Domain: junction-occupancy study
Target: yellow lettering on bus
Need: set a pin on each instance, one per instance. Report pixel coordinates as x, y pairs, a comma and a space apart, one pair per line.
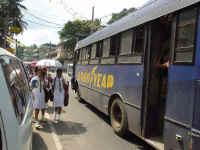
98, 80
88, 78
95, 79
110, 81
84, 77
103, 83
80, 76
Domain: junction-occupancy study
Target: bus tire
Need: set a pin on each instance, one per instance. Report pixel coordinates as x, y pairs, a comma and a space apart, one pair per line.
79, 96
118, 117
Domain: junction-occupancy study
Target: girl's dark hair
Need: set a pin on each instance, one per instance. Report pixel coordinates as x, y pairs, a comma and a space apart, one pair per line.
36, 69
59, 70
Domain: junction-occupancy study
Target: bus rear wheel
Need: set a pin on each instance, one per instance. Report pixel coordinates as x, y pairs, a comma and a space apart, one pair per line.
118, 117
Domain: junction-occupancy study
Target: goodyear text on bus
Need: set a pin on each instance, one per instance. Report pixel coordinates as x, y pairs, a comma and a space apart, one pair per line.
98, 80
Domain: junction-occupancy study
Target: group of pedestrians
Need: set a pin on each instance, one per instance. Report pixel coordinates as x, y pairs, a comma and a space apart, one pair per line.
44, 88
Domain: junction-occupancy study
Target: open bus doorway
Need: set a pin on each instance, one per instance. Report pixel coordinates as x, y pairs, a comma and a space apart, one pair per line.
158, 77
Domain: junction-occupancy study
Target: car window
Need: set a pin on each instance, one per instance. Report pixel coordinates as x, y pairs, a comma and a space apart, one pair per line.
17, 85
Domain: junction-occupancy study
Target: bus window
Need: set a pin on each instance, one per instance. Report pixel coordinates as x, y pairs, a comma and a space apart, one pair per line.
94, 60
107, 57
106, 47
84, 56
139, 41
89, 50
93, 54
126, 43
115, 45
132, 46
77, 56
80, 56
185, 36
99, 51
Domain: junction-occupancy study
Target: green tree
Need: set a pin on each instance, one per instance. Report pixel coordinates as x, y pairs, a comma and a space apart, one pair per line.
11, 16
117, 16
77, 30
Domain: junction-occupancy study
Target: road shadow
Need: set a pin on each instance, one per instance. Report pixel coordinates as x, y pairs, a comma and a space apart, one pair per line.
101, 115
38, 143
69, 128
45, 127
50, 109
130, 137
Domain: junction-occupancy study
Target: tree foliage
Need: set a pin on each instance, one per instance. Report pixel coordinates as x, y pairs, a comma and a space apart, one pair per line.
77, 30
31, 47
11, 15
117, 16
48, 45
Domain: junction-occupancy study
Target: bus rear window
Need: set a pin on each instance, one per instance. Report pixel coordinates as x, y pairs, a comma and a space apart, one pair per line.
185, 36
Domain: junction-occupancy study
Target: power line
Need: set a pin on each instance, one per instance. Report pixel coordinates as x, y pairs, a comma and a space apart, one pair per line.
43, 24
42, 15
41, 19
71, 11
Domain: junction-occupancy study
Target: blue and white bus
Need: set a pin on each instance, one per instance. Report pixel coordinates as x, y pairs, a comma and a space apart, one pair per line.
144, 70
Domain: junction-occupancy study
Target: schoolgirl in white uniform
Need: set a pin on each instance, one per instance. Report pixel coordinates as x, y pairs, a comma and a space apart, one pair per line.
59, 94
38, 84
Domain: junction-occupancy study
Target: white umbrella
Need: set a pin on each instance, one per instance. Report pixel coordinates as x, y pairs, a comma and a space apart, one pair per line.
49, 63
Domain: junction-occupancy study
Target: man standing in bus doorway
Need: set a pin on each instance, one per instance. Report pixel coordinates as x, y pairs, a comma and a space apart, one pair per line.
38, 84
163, 63
59, 94
163, 60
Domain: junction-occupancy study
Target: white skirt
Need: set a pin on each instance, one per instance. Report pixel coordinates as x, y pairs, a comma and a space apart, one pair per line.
39, 101
58, 100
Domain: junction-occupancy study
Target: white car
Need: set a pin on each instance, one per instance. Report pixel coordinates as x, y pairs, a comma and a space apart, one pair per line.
15, 104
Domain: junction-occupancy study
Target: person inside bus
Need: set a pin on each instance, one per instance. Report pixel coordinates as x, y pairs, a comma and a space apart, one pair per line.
163, 59
163, 63
160, 48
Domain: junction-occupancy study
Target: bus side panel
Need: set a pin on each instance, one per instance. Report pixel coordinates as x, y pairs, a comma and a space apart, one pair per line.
134, 120
179, 106
171, 131
127, 82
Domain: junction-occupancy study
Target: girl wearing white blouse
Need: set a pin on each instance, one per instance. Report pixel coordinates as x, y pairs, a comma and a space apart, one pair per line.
59, 94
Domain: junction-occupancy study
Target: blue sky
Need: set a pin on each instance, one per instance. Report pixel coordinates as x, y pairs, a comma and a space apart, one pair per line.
59, 12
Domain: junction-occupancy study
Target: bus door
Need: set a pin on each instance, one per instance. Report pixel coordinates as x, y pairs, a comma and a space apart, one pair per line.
155, 93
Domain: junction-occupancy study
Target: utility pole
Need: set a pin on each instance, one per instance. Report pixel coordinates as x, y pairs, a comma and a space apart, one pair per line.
49, 49
93, 14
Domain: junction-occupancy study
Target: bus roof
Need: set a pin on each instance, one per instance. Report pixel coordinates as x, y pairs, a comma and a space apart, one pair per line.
152, 10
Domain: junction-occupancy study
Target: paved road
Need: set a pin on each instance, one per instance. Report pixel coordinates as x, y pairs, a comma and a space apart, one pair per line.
82, 128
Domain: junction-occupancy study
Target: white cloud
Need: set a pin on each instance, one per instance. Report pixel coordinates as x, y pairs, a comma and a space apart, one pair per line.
38, 36
61, 11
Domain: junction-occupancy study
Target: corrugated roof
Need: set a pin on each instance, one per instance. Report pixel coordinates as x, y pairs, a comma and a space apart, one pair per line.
152, 10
